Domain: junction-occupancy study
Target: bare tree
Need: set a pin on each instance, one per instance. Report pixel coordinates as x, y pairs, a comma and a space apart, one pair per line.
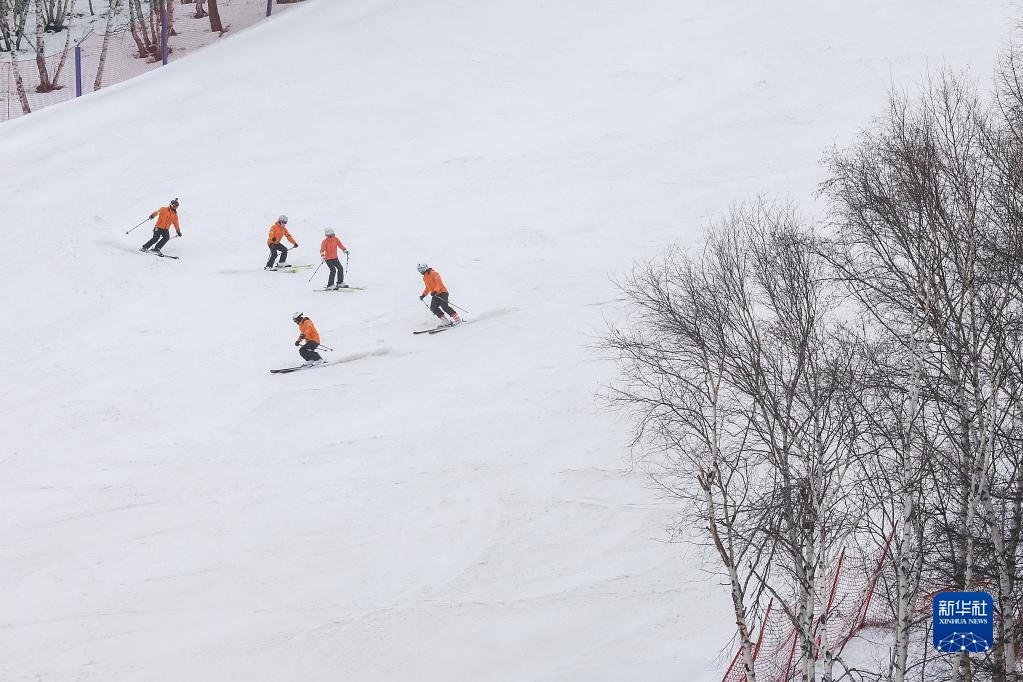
45, 84
55, 14
673, 360
923, 221
142, 29
12, 28
10, 18
733, 368
112, 11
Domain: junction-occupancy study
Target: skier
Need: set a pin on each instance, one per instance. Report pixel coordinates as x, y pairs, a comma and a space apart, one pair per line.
279, 231
328, 252
438, 295
165, 217
308, 335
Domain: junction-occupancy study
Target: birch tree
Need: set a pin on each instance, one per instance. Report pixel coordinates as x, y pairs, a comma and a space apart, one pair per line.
923, 226
673, 357
733, 371
112, 11
19, 83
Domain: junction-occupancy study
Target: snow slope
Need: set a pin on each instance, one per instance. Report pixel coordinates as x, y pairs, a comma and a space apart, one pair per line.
449, 507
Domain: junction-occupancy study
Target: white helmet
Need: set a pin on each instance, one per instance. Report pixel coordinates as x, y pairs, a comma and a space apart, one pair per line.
282, 218
296, 317
329, 232
422, 268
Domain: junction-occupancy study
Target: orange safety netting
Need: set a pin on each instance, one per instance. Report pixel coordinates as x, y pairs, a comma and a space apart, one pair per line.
856, 597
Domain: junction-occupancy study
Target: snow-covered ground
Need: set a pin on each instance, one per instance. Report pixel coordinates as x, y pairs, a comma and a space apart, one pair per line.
449, 507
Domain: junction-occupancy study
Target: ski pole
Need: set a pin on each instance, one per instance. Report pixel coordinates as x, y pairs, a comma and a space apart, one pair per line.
348, 268
325, 348
138, 226
316, 270
450, 304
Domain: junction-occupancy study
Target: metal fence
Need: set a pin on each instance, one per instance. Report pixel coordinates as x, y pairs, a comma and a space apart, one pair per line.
137, 45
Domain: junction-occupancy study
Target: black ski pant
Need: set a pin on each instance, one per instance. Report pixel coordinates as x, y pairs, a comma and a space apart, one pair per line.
308, 351
335, 269
439, 305
274, 250
161, 235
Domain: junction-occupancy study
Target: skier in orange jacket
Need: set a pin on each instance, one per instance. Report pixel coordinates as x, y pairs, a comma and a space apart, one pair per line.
278, 232
165, 217
328, 252
309, 336
438, 295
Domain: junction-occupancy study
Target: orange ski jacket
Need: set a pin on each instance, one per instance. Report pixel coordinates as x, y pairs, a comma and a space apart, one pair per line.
434, 285
277, 233
329, 247
165, 217
309, 332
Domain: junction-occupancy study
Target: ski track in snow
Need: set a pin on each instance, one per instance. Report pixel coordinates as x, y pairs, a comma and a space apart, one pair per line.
461, 509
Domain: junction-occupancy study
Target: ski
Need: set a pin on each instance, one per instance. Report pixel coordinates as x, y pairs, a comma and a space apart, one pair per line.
287, 268
442, 328
287, 370
160, 255
438, 328
342, 289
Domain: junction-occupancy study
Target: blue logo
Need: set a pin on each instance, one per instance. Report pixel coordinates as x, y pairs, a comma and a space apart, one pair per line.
963, 621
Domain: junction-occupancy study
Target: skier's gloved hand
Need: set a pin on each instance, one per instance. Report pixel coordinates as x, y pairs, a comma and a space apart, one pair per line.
179, 234
422, 297
299, 342
295, 246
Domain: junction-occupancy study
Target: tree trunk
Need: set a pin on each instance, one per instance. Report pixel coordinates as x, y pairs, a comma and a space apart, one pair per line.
112, 10
143, 52
21, 26
18, 82
216, 25
904, 582
44, 77
148, 48
55, 81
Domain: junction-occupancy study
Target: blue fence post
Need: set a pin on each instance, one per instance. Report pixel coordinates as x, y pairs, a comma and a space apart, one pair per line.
163, 31
269, 7
78, 70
